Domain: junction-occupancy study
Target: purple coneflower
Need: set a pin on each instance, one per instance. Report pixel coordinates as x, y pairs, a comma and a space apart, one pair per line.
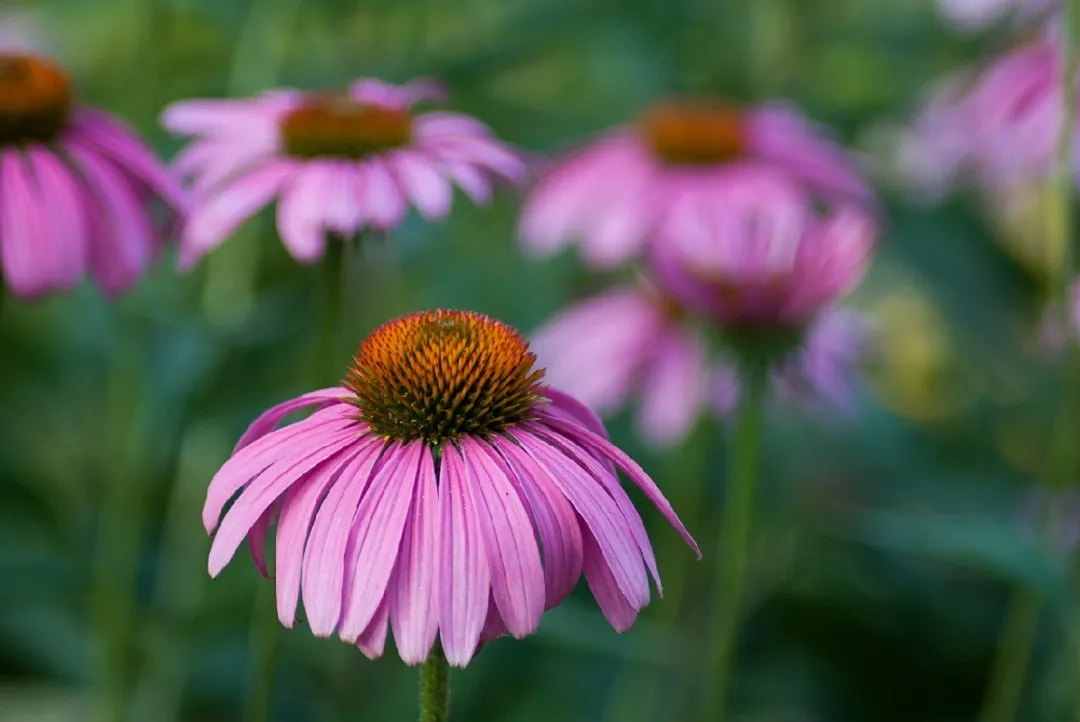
443, 492
620, 191
773, 265
337, 163
78, 190
631, 340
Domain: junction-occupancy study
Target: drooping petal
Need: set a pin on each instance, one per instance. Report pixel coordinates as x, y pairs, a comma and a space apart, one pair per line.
383, 200
606, 478
414, 611
301, 210
26, 252
218, 216
599, 511
372, 641
294, 526
674, 390
379, 526
575, 410
494, 626
269, 419
556, 524
247, 463
257, 539
619, 612
517, 576
464, 576
60, 190
631, 468
324, 557
425, 185
266, 488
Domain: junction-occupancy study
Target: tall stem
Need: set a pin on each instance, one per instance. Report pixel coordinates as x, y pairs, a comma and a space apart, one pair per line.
264, 622
732, 551
1005, 688
435, 688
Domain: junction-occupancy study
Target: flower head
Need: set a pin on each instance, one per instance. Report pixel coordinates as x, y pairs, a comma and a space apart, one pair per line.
622, 190
773, 265
337, 163
77, 188
471, 495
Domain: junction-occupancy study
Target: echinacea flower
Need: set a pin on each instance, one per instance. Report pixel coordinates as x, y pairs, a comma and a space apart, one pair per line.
337, 163
79, 192
615, 195
630, 341
774, 264
442, 491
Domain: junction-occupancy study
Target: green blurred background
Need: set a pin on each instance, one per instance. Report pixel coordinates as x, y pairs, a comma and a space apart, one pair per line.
887, 543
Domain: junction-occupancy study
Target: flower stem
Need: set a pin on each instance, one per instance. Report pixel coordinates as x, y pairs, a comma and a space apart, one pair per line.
1005, 688
733, 545
435, 688
264, 634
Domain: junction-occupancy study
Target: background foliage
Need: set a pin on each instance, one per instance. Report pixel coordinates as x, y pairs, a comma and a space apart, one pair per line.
887, 541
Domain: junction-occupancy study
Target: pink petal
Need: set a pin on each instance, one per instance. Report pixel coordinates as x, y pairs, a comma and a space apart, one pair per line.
383, 200
576, 410
605, 476
429, 190
25, 249
674, 389
301, 211
253, 459
494, 626
122, 146
517, 576
266, 488
629, 467
437, 125
257, 539
414, 610
486, 153
619, 612
58, 186
324, 571
344, 214
269, 419
218, 216
464, 576
474, 183
294, 526
599, 511
236, 118
379, 526
556, 522
372, 641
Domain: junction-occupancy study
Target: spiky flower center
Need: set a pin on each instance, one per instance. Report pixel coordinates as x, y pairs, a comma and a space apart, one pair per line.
694, 133
439, 375
35, 99
337, 126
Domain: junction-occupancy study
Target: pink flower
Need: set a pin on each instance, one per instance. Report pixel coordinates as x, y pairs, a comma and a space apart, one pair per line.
468, 496
774, 262
619, 192
78, 189
972, 15
626, 342
336, 163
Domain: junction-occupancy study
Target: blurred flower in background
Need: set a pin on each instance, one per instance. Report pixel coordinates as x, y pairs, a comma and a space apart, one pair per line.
339, 163
973, 15
438, 465
79, 192
615, 195
22, 29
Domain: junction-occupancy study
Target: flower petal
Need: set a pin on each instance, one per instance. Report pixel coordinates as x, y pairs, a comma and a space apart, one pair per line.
464, 577
380, 523
425, 185
517, 576
619, 612
268, 420
60, 189
674, 389
414, 610
301, 211
372, 641
27, 253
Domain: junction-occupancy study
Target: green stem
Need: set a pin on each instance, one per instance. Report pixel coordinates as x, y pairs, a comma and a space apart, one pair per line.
1006, 685
264, 634
332, 287
733, 548
435, 688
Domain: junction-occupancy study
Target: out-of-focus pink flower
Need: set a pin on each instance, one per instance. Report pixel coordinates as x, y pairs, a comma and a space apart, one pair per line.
622, 190
973, 15
772, 263
338, 163
442, 491
22, 30
79, 191
627, 342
